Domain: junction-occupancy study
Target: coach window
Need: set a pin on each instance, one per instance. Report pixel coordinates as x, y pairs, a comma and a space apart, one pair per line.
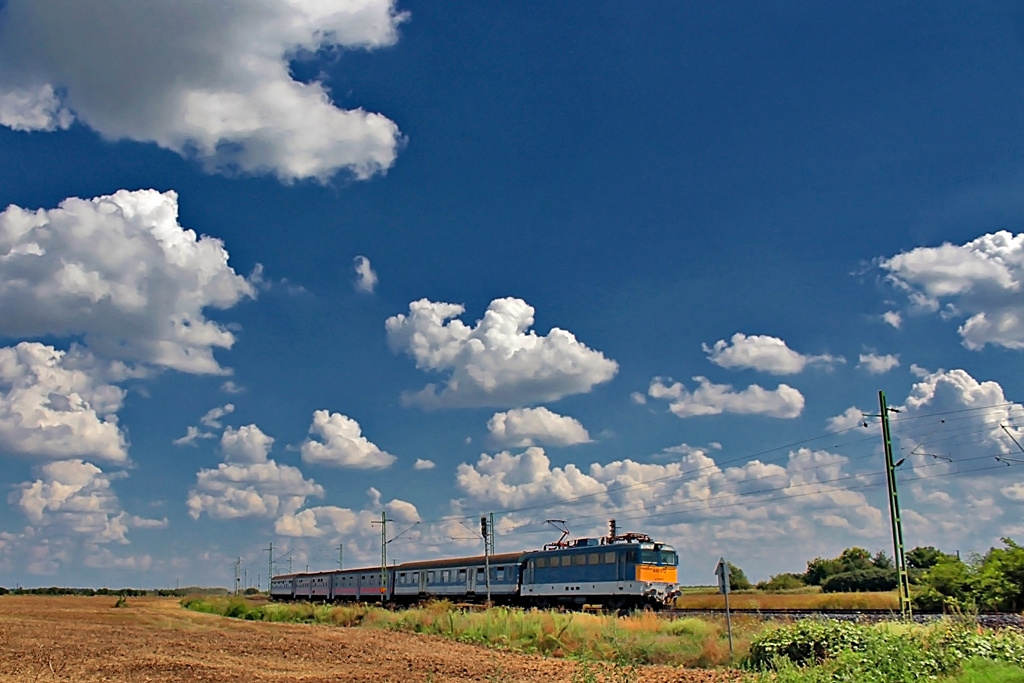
500, 574
579, 558
446, 576
415, 577
462, 575
430, 577
542, 561
609, 558
594, 558
630, 556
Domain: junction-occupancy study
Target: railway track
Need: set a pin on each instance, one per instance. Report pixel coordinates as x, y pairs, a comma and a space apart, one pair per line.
988, 619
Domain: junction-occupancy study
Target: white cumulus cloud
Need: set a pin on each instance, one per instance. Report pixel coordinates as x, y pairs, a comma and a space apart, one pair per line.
51, 408
497, 362
693, 499
893, 318
765, 354
535, 426
343, 444
512, 480
249, 484
211, 419
980, 280
366, 278
217, 87
77, 497
355, 526
193, 434
982, 405
978, 412
120, 271
423, 464
29, 109
213, 416
247, 444
715, 399
264, 489
878, 364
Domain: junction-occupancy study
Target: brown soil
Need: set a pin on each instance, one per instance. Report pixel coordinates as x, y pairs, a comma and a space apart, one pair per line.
154, 639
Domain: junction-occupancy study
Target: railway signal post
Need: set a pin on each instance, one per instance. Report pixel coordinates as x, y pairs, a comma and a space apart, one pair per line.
722, 572
383, 554
485, 531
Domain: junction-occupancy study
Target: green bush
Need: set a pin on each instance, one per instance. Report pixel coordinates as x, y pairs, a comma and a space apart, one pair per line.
994, 581
961, 642
861, 580
812, 651
805, 642
781, 582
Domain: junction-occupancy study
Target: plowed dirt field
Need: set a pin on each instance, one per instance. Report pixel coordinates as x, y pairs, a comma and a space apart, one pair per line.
154, 639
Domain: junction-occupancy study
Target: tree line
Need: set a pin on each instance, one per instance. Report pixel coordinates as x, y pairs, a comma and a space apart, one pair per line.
939, 581
124, 592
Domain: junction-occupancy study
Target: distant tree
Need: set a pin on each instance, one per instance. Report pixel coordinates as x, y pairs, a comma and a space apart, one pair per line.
820, 569
782, 582
881, 560
853, 559
925, 557
850, 560
738, 580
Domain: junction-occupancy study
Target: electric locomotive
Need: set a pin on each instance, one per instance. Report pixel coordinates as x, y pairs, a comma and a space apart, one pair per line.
617, 572
621, 572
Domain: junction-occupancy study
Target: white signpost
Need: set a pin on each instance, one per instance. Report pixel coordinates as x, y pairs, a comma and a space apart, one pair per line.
722, 572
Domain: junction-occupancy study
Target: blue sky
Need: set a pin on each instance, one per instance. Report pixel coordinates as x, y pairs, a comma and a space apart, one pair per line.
269, 269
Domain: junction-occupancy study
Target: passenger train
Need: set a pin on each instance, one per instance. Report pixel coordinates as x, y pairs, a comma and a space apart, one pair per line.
621, 572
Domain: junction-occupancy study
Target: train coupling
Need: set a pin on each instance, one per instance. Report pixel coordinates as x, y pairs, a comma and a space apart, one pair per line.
663, 594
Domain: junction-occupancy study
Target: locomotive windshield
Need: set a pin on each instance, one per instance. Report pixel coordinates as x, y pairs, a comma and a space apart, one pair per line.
665, 557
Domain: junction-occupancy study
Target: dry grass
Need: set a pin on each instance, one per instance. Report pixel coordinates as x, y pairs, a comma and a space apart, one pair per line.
790, 601
86, 640
641, 638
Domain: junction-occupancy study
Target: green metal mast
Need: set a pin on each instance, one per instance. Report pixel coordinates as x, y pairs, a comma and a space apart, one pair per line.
902, 578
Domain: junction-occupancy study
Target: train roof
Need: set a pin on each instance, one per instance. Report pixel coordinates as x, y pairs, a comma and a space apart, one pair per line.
580, 544
502, 558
